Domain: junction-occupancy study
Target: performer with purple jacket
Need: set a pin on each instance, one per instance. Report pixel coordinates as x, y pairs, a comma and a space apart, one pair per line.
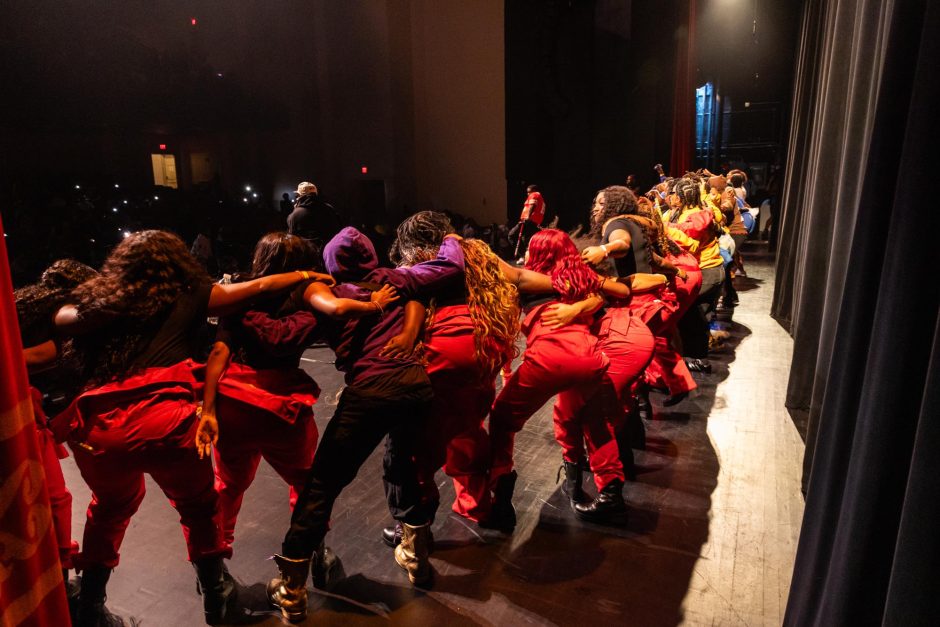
383, 396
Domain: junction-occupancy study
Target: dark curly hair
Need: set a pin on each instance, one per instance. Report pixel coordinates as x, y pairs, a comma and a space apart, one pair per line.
618, 200
139, 283
418, 237
36, 304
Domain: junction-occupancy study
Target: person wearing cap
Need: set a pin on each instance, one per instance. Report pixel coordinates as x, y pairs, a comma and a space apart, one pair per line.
312, 218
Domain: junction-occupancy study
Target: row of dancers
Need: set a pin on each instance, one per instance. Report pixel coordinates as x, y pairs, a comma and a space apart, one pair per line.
421, 346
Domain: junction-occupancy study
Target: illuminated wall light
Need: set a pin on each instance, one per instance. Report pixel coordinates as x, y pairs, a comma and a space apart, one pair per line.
162, 146
365, 170
192, 21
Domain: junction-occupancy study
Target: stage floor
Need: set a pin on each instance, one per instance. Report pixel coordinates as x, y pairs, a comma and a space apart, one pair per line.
714, 520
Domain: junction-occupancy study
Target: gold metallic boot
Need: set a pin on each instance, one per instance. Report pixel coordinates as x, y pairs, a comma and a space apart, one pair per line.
412, 553
289, 591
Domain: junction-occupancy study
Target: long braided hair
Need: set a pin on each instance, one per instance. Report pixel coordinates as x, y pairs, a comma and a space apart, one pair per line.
492, 300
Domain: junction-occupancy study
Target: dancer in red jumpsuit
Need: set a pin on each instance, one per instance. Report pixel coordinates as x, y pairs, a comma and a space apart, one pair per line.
634, 238
134, 330
470, 336
556, 359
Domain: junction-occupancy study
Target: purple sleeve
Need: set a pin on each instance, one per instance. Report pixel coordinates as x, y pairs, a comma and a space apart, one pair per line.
429, 276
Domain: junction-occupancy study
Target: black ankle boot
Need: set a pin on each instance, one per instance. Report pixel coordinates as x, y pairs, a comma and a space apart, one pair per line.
626, 454
608, 508
217, 588
322, 566
391, 536
571, 487
89, 607
502, 515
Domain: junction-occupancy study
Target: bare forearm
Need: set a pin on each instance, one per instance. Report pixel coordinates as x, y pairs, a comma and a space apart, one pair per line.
41, 356
215, 366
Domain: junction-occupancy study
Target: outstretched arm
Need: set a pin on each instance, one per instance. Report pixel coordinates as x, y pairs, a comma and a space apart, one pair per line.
229, 298
558, 315
526, 280
321, 298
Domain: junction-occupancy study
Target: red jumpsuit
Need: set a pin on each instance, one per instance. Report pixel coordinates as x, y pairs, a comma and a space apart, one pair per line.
627, 344
145, 423
667, 366
463, 396
60, 499
554, 361
262, 414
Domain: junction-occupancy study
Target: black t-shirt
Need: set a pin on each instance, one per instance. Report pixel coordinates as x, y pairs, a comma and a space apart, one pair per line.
180, 335
638, 258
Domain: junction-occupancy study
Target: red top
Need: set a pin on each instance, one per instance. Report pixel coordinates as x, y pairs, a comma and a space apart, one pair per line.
534, 208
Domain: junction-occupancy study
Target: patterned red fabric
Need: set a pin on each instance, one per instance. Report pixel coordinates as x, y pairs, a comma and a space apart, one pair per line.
31, 590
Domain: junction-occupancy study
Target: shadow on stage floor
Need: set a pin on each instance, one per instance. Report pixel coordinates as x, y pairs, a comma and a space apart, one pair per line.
554, 569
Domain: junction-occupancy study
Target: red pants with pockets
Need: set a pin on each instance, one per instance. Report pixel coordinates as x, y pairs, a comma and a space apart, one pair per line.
143, 424
455, 438
554, 361
262, 414
60, 499
627, 344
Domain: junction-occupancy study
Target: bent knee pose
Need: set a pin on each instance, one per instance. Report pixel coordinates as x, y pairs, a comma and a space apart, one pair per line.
134, 331
470, 335
384, 396
556, 359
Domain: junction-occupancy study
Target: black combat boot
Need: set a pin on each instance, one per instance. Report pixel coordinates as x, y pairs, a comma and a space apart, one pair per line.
218, 589
89, 607
571, 487
608, 508
502, 514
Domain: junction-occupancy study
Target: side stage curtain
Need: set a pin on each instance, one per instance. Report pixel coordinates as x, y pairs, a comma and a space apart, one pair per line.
869, 541
683, 116
31, 590
839, 68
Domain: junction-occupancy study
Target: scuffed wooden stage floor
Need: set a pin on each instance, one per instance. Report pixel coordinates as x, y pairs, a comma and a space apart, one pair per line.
714, 519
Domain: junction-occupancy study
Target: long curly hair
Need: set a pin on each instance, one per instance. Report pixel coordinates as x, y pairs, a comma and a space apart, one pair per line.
618, 200
491, 298
37, 303
552, 252
139, 283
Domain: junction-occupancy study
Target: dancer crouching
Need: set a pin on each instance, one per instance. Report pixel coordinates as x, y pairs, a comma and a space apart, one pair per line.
556, 359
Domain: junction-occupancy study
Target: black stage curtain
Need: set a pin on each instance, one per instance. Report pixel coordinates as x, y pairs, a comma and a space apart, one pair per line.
855, 285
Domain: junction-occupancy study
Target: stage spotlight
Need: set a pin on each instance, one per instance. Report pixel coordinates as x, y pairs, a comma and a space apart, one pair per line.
127, 234
156, 198
125, 202
114, 209
78, 187
247, 188
254, 195
244, 199
116, 186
